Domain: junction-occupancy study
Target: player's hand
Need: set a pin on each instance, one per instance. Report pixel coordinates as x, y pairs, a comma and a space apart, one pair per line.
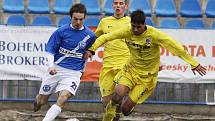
52, 70
87, 55
200, 69
160, 68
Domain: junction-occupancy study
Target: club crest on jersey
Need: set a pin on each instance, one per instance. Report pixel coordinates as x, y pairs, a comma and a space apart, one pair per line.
46, 88
82, 44
109, 26
148, 42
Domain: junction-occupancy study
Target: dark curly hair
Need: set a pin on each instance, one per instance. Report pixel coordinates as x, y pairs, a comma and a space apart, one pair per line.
138, 16
78, 8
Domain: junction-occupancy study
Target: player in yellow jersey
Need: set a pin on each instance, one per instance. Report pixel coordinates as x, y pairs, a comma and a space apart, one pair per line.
138, 77
116, 52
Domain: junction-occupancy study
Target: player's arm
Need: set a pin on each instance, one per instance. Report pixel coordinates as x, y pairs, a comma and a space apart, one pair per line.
177, 49
51, 48
99, 30
51, 68
88, 53
118, 34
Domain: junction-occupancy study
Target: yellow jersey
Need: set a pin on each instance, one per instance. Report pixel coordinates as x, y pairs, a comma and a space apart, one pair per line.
116, 52
145, 49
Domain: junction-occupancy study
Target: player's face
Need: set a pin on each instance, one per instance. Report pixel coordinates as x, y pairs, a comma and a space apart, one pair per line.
119, 7
78, 20
138, 29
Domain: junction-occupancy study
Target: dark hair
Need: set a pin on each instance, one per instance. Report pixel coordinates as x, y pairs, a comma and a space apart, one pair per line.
78, 8
124, 1
138, 17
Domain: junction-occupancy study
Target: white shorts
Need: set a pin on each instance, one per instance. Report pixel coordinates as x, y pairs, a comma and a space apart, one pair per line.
65, 79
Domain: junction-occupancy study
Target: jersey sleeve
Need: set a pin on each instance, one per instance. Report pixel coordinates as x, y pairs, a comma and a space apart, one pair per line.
50, 60
99, 30
175, 48
118, 34
54, 42
92, 40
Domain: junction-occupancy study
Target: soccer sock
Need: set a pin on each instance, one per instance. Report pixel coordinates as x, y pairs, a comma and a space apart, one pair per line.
117, 113
52, 113
110, 111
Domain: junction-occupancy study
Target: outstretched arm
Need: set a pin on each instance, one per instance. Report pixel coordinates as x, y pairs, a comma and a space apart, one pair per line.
177, 49
117, 34
200, 69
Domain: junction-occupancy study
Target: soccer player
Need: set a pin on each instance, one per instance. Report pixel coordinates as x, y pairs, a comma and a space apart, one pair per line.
66, 48
113, 50
138, 77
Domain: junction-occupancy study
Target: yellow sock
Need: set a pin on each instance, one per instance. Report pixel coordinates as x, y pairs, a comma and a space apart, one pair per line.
110, 112
117, 113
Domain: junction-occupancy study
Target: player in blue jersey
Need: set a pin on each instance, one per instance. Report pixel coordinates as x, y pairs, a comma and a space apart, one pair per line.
66, 48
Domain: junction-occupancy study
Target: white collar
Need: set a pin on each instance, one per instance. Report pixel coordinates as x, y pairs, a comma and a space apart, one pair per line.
77, 29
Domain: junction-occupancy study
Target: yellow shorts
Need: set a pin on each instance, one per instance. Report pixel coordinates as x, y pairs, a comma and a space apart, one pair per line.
106, 80
140, 87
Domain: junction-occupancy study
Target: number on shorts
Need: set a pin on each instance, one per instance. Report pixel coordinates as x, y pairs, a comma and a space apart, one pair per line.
74, 86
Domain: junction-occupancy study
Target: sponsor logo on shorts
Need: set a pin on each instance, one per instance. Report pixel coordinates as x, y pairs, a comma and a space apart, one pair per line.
46, 88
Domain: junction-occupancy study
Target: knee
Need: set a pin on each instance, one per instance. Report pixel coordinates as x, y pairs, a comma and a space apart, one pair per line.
106, 100
62, 98
127, 106
120, 92
42, 99
117, 98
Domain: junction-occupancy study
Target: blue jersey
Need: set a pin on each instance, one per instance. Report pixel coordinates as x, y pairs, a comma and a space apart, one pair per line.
68, 46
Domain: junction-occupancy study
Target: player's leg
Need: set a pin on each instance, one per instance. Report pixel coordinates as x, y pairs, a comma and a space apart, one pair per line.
39, 101
56, 108
120, 93
66, 88
122, 88
46, 89
106, 100
127, 106
63, 97
107, 86
113, 107
145, 89
109, 112
138, 94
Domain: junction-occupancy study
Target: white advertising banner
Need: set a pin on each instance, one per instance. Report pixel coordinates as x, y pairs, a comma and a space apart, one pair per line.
22, 53
201, 45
